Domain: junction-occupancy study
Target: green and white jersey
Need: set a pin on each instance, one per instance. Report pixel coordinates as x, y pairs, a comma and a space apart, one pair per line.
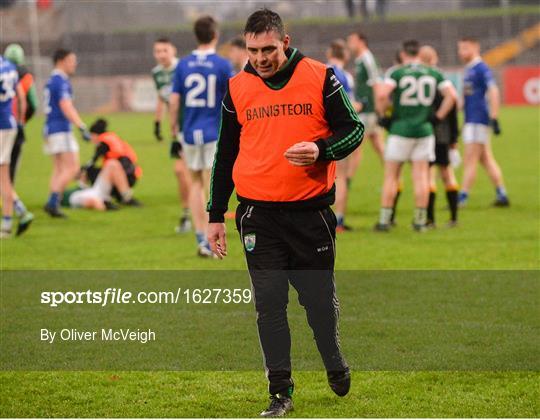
366, 75
415, 86
163, 78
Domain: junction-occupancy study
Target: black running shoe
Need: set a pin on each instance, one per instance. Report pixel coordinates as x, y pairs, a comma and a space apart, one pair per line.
501, 202
419, 228
279, 406
133, 202
54, 212
110, 206
381, 227
340, 382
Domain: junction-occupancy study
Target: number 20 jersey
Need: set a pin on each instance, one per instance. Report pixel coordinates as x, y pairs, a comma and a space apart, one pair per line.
415, 86
201, 80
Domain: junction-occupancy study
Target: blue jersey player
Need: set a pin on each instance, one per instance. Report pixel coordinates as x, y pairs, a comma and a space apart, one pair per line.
199, 85
9, 89
481, 107
60, 115
337, 56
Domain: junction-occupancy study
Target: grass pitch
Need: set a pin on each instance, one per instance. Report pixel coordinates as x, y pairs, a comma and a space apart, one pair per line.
487, 239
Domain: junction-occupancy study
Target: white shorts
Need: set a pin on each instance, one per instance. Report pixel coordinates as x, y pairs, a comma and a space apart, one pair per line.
7, 139
199, 157
404, 149
369, 119
63, 142
101, 190
475, 133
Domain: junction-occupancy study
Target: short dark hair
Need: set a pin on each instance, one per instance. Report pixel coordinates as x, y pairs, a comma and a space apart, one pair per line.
361, 35
411, 47
338, 49
99, 126
238, 42
205, 29
469, 39
60, 54
264, 20
163, 40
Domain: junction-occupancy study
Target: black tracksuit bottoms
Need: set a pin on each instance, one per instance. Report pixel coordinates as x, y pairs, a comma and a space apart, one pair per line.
296, 246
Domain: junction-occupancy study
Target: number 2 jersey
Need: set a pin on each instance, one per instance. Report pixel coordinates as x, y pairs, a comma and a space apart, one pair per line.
8, 83
415, 86
58, 87
201, 80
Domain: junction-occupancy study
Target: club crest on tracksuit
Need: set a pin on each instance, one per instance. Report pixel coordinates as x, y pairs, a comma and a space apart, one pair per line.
249, 242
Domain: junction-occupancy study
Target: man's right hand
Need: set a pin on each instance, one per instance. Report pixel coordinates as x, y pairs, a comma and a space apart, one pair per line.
217, 239
157, 131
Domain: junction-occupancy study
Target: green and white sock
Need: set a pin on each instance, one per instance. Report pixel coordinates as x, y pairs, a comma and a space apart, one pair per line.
127, 195
420, 216
385, 215
6, 224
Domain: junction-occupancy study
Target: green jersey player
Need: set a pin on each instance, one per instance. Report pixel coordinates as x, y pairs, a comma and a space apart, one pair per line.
162, 74
367, 75
412, 87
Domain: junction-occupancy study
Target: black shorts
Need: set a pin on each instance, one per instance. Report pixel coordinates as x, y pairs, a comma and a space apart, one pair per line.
441, 155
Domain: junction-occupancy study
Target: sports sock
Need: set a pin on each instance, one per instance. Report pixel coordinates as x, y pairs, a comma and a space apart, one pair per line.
185, 211
5, 226
19, 207
349, 182
385, 216
340, 219
452, 197
201, 238
127, 195
501, 192
53, 200
463, 195
431, 207
420, 216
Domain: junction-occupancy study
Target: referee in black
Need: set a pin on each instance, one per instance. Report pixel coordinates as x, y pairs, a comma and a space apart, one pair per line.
446, 152
285, 121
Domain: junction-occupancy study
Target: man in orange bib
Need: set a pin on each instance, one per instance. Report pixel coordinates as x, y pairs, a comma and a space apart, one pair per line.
285, 121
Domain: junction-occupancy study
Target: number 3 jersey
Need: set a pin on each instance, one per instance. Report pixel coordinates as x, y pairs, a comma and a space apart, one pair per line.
415, 86
201, 81
8, 83
58, 87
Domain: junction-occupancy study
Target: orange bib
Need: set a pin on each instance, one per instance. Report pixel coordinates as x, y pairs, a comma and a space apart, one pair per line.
272, 121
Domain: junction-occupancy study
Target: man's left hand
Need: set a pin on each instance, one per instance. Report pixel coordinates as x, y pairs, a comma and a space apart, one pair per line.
302, 154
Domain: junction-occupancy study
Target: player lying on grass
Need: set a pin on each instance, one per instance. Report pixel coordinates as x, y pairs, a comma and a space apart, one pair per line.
111, 147
98, 196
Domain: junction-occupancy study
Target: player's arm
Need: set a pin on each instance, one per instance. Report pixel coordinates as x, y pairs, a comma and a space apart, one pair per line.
221, 182
158, 118
347, 130
101, 150
68, 109
21, 98
494, 100
174, 100
382, 90
449, 99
